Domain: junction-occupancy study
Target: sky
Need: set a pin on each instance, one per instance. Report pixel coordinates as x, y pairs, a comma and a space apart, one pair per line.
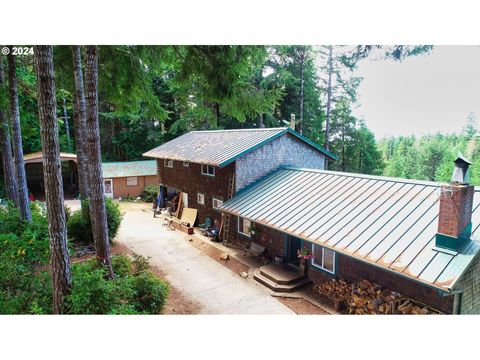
424, 94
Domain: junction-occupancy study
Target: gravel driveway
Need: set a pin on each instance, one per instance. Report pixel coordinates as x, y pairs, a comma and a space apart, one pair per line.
215, 287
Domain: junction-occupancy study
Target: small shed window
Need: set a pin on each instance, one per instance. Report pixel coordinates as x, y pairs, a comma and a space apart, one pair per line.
168, 163
244, 226
208, 170
186, 164
216, 202
132, 181
323, 258
201, 199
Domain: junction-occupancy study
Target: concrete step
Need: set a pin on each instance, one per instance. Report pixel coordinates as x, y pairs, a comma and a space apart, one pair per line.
282, 274
257, 275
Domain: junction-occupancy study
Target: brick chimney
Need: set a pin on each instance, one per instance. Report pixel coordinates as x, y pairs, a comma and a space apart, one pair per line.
456, 202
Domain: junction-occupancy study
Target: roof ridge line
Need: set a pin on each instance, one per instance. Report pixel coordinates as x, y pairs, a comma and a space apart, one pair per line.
239, 130
367, 176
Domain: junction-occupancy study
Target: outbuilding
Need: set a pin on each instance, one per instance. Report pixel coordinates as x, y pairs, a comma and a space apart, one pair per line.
121, 179
128, 179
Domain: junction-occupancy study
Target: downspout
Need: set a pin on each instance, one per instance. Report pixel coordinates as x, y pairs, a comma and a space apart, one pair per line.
457, 300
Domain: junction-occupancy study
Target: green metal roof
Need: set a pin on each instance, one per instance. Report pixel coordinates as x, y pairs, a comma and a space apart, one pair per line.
129, 168
222, 147
386, 222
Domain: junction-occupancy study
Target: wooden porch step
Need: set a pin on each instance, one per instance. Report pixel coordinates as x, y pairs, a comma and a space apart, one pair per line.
282, 274
272, 285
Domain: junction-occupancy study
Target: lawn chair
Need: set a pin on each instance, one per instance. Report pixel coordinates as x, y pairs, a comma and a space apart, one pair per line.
206, 226
214, 232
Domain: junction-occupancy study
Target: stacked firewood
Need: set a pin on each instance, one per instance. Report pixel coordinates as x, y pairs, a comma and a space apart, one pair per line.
367, 298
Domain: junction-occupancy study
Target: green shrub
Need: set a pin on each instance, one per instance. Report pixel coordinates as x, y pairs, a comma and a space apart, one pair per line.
122, 265
25, 241
93, 293
78, 229
140, 263
124, 309
79, 224
150, 193
22, 289
10, 221
150, 293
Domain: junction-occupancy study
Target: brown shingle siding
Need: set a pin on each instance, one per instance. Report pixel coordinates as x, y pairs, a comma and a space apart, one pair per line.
190, 180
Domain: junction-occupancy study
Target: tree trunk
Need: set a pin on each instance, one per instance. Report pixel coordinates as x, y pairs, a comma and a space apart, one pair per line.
329, 102
80, 124
6, 148
302, 83
98, 213
52, 175
261, 124
67, 126
21, 177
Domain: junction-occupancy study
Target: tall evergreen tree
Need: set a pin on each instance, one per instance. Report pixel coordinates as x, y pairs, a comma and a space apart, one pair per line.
6, 145
52, 174
80, 124
98, 212
20, 175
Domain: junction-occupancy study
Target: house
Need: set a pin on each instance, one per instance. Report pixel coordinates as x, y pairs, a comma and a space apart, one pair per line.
209, 167
419, 238
128, 179
121, 179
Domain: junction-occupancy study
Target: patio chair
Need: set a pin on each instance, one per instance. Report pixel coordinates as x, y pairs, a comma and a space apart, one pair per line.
214, 231
206, 226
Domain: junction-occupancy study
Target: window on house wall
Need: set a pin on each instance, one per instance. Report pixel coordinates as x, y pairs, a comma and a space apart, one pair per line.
201, 199
132, 181
244, 226
216, 202
186, 164
323, 258
168, 163
208, 170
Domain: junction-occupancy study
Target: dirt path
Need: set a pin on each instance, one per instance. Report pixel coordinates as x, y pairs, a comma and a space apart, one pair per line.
177, 302
196, 278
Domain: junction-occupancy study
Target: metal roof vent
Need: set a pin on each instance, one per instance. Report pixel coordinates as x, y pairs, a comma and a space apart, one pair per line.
460, 173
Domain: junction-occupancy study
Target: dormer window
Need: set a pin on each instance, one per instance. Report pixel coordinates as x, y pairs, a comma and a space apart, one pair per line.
208, 170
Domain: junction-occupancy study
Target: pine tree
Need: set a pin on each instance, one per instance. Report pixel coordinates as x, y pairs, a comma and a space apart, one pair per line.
98, 214
52, 174
80, 124
20, 175
6, 146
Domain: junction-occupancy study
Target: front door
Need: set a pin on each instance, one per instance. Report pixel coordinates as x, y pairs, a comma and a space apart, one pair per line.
108, 187
293, 246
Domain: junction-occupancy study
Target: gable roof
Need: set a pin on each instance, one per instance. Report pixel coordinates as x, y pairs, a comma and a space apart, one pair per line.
221, 147
37, 157
129, 168
386, 222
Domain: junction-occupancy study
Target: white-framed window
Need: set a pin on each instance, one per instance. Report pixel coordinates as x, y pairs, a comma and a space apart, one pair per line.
200, 199
216, 202
244, 226
168, 163
323, 258
186, 164
208, 170
132, 181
